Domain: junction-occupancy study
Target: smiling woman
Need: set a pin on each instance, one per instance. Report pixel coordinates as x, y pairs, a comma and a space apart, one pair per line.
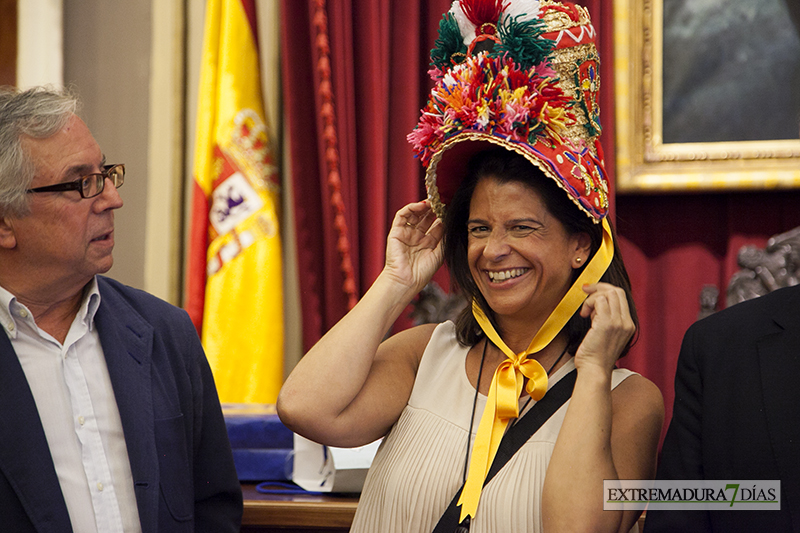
517, 201
506, 167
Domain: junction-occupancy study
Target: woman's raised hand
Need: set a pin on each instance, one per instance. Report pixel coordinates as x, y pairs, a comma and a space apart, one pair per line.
612, 326
414, 246
337, 393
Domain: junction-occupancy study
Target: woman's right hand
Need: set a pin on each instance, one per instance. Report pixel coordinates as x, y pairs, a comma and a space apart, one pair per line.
353, 385
414, 246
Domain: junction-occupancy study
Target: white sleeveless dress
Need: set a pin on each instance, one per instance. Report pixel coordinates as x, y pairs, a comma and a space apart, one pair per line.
420, 464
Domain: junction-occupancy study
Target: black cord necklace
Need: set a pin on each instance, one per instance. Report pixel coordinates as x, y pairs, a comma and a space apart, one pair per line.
474, 405
475, 401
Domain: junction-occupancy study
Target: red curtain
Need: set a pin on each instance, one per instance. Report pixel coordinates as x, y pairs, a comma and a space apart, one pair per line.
673, 244
378, 55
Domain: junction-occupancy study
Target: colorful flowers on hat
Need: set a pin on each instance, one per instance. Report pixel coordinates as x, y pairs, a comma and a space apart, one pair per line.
494, 96
522, 74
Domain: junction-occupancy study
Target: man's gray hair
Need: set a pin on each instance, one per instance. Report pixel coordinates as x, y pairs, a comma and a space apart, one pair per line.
39, 112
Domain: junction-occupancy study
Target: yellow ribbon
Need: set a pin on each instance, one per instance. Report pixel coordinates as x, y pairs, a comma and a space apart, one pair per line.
502, 404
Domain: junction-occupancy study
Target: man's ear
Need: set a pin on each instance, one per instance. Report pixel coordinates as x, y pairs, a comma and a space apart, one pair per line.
8, 238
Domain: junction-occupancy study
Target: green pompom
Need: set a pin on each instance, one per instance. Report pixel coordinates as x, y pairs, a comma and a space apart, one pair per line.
534, 132
523, 42
448, 43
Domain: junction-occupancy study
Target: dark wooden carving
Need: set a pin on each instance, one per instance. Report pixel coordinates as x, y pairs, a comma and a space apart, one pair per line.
761, 271
433, 305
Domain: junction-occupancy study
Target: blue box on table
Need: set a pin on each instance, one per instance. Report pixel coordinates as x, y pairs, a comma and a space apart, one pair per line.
262, 445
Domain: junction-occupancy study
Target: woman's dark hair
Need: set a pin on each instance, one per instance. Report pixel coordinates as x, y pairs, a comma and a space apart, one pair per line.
506, 166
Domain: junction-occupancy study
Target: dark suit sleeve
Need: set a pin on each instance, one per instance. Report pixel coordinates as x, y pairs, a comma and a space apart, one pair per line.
682, 452
217, 491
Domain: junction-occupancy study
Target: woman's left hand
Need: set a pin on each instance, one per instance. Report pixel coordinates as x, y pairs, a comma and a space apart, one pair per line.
612, 326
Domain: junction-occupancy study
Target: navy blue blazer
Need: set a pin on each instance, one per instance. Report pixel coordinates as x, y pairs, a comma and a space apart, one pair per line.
737, 412
181, 460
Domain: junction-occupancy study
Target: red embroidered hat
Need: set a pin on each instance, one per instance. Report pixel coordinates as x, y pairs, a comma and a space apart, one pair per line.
522, 74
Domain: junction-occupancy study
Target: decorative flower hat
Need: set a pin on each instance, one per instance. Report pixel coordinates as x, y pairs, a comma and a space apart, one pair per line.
522, 74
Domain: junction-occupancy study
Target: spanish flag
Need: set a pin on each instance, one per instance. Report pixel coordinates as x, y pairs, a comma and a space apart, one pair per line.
234, 286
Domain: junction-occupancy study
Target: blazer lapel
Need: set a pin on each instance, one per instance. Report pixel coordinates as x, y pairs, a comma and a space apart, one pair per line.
779, 359
127, 344
24, 454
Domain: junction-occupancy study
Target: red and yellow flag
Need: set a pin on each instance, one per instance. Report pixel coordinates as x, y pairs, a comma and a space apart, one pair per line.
234, 285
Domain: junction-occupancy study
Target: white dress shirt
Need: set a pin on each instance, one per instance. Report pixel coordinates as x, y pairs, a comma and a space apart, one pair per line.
76, 404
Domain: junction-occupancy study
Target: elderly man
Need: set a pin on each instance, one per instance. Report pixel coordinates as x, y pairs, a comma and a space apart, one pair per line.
109, 418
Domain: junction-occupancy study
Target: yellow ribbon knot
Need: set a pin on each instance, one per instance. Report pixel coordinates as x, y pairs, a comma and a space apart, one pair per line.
502, 404
510, 377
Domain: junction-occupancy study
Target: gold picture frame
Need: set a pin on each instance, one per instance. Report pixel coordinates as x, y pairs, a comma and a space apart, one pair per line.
644, 162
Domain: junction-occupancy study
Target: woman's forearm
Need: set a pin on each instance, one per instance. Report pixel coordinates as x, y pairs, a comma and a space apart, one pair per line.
316, 397
572, 497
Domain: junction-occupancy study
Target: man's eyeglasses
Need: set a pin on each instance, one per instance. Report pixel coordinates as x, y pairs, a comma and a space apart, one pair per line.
90, 185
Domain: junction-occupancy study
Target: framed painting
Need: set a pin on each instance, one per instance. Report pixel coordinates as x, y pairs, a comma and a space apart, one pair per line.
707, 94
